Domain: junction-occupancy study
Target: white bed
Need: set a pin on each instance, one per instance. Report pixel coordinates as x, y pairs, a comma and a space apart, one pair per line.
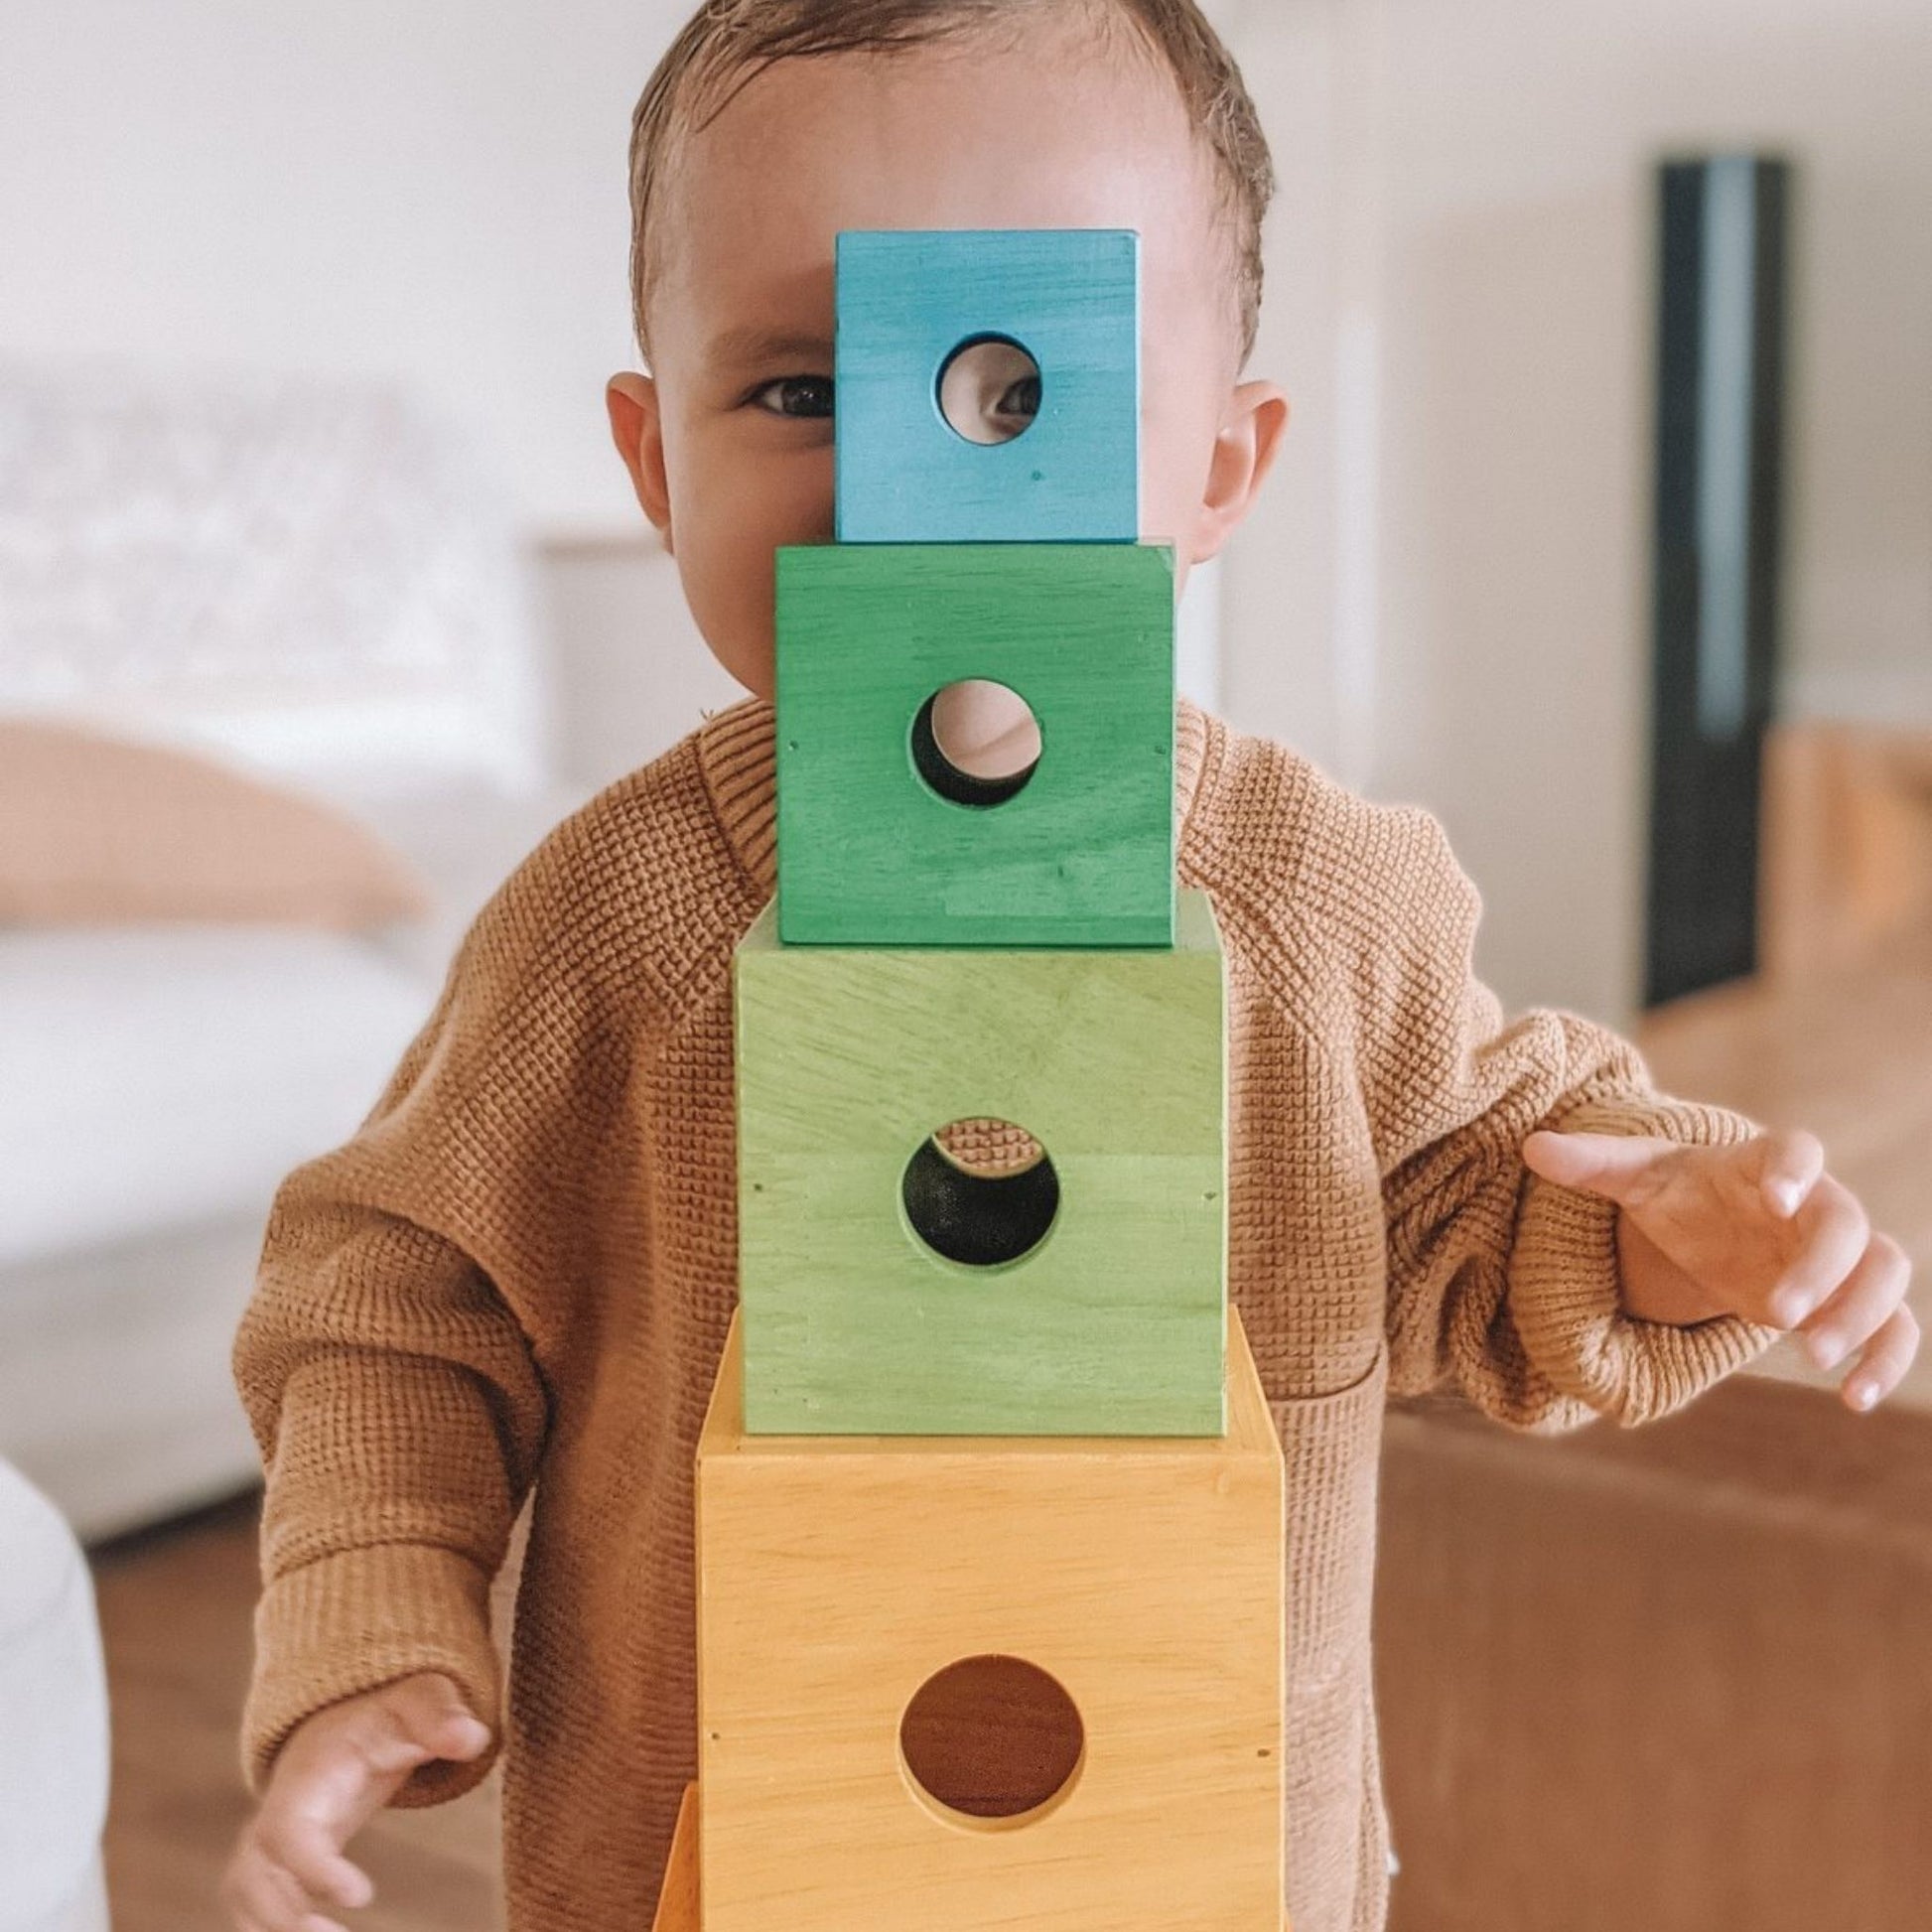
309, 582
155, 1084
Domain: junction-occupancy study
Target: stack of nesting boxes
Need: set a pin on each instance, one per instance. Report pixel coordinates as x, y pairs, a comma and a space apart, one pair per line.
989, 1504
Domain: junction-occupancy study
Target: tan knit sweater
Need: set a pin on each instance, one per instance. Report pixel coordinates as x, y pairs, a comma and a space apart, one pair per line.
521, 1267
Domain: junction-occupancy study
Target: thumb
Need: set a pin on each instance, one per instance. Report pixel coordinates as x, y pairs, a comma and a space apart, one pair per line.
1612, 1164
436, 1715
1788, 1164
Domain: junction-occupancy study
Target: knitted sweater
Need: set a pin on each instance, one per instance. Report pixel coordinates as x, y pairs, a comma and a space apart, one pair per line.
519, 1271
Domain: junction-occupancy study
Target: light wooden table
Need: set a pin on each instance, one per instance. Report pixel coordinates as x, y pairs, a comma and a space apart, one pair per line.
1848, 1057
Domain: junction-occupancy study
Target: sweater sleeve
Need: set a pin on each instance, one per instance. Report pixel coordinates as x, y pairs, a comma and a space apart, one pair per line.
389, 1358
1502, 1283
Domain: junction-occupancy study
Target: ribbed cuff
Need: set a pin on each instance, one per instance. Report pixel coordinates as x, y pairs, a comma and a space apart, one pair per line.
348, 1622
1565, 1291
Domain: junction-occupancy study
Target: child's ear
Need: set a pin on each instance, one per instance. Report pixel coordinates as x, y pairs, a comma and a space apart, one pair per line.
639, 432
1245, 448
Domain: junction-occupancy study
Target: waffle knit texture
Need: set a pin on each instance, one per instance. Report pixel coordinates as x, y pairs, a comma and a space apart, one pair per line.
521, 1267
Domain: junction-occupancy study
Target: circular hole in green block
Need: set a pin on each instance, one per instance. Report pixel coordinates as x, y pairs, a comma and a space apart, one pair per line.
976, 742
980, 1191
989, 389
991, 1737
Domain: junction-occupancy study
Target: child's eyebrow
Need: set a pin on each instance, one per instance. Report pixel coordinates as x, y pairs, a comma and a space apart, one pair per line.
739, 347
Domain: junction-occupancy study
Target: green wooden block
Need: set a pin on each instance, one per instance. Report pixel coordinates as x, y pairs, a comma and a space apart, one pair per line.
850, 1059
870, 853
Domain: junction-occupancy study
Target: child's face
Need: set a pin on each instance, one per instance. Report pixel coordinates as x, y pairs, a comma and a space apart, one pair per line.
731, 460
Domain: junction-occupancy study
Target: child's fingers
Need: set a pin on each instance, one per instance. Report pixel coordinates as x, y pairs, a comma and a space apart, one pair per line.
1861, 1305
305, 1846
385, 1741
429, 1710
329, 1787
1885, 1362
375, 1748
1790, 1161
263, 1896
1833, 1230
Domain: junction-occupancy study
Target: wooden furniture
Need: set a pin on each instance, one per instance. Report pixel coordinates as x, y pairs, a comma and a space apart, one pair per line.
1847, 858
1681, 1677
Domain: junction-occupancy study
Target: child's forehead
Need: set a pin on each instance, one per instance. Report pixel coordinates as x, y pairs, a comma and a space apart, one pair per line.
919, 128
809, 148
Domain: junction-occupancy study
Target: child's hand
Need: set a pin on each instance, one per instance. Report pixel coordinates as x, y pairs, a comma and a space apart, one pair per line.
335, 1772
1758, 1229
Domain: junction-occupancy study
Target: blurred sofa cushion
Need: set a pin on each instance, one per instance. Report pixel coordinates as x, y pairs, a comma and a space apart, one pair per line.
101, 829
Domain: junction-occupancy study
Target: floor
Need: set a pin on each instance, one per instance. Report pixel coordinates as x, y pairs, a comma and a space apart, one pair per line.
176, 1603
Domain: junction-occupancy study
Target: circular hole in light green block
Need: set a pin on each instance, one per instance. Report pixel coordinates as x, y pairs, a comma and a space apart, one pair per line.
976, 742
980, 1191
989, 389
992, 1738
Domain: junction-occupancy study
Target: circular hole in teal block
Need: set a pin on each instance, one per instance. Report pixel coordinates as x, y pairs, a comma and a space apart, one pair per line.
989, 389
992, 1737
981, 1192
976, 742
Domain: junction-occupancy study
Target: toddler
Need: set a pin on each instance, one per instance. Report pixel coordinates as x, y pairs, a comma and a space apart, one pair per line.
515, 1280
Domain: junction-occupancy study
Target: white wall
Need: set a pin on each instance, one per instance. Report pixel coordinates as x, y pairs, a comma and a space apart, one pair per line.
1467, 331
425, 190
1443, 594
425, 193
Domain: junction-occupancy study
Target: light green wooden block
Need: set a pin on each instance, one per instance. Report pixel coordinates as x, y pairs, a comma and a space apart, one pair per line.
849, 1059
869, 854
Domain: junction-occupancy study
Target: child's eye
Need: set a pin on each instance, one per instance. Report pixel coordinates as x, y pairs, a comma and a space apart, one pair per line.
802, 396
1022, 399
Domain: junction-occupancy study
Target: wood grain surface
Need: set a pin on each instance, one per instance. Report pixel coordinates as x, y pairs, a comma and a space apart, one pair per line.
1112, 1059
869, 853
839, 1574
906, 299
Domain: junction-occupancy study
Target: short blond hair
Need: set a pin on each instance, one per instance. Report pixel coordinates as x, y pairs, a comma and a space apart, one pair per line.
728, 39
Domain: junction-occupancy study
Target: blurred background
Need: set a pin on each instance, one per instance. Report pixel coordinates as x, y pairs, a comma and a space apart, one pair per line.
1604, 529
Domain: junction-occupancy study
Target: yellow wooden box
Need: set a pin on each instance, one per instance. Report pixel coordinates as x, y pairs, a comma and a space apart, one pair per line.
678, 1905
677, 1897
838, 1575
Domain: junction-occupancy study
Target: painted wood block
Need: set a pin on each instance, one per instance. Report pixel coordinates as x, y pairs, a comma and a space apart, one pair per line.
869, 851
885, 1291
678, 1904
843, 1583
907, 300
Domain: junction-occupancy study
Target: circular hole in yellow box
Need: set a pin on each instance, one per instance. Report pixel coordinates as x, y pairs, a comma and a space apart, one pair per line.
994, 1741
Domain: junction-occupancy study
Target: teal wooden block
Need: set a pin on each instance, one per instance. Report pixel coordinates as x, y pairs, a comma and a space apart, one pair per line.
907, 300
870, 853
860, 1318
